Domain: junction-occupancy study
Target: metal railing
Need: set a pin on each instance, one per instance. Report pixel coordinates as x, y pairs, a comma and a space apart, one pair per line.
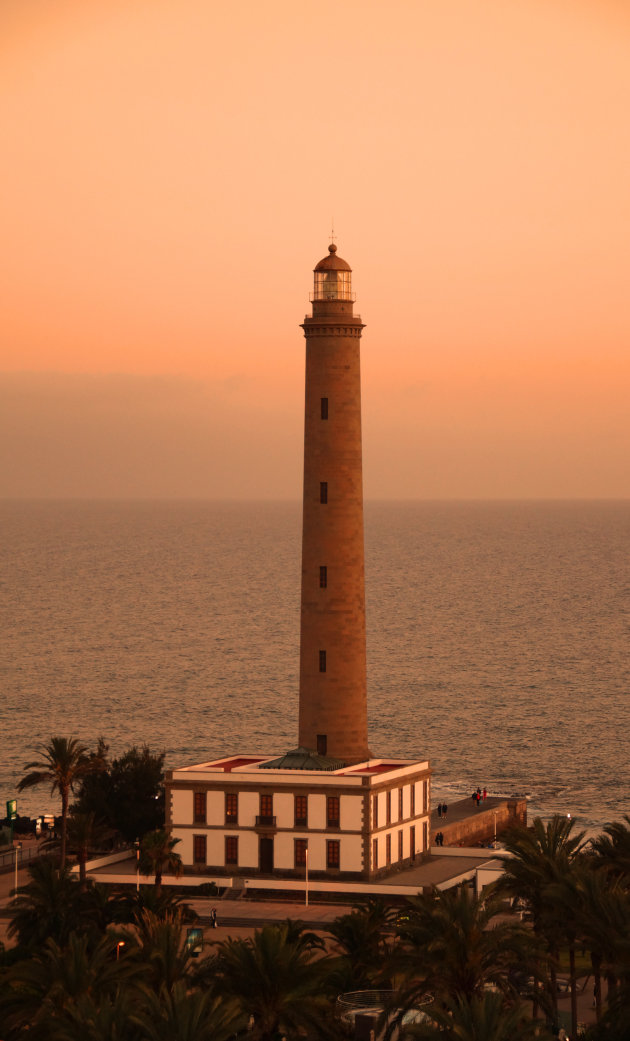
7, 859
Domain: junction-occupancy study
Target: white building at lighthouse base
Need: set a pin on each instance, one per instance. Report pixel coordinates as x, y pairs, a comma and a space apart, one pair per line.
255, 815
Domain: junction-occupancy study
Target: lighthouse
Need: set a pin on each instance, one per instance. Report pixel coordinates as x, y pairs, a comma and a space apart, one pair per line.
333, 686
327, 809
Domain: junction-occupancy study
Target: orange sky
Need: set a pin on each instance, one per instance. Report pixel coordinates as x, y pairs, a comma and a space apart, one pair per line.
169, 176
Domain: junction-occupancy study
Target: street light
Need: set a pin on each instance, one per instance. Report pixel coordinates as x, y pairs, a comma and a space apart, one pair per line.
18, 847
137, 845
121, 943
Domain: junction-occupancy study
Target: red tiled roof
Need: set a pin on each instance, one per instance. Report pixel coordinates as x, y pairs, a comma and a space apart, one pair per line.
232, 764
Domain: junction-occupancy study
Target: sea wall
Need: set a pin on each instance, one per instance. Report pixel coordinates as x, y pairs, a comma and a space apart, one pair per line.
478, 826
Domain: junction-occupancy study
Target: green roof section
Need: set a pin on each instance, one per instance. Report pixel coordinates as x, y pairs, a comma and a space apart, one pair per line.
303, 759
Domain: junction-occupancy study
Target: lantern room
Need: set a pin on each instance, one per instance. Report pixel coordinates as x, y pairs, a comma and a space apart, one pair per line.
333, 278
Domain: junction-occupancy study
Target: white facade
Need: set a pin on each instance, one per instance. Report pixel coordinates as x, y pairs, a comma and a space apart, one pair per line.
235, 817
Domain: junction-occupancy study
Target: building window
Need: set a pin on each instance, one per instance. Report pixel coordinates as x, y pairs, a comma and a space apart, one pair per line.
231, 808
199, 810
266, 811
426, 796
300, 848
374, 854
388, 849
332, 853
332, 811
301, 809
375, 810
322, 744
199, 849
412, 797
322, 661
400, 804
412, 842
323, 576
323, 492
324, 408
400, 845
388, 807
231, 849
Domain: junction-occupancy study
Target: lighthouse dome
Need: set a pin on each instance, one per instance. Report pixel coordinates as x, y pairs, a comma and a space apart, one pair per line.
332, 262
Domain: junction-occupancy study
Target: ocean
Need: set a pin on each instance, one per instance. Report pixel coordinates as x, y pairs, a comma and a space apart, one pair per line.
498, 639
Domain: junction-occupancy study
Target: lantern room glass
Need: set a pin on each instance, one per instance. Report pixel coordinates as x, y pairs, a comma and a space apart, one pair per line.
333, 285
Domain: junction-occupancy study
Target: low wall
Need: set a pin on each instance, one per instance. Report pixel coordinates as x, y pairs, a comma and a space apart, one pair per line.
109, 858
480, 824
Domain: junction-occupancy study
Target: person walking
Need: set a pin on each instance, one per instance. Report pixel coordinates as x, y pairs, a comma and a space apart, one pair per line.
213, 918
439, 809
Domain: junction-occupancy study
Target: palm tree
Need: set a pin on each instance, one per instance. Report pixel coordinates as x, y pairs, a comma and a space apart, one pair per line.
63, 763
47, 907
157, 852
485, 1017
538, 858
276, 984
162, 948
362, 940
452, 946
160, 904
40, 992
612, 850
84, 833
184, 1015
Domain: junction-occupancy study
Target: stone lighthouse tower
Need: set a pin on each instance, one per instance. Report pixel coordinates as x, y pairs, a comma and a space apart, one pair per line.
333, 691
327, 809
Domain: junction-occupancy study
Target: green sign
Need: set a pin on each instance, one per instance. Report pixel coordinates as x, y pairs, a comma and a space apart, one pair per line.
12, 809
194, 941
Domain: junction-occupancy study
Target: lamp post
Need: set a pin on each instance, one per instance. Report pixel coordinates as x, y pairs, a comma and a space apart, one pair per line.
137, 845
18, 847
121, 943
306, 879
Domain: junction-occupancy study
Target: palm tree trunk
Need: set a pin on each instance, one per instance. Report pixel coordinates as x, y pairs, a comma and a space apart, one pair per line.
596, 962
574, 1011
65, 792
83, 855
553, 976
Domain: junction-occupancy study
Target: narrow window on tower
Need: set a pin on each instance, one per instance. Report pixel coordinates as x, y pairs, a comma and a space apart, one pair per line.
324, 408
322, 744
323, 492
323, 576
322, 661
